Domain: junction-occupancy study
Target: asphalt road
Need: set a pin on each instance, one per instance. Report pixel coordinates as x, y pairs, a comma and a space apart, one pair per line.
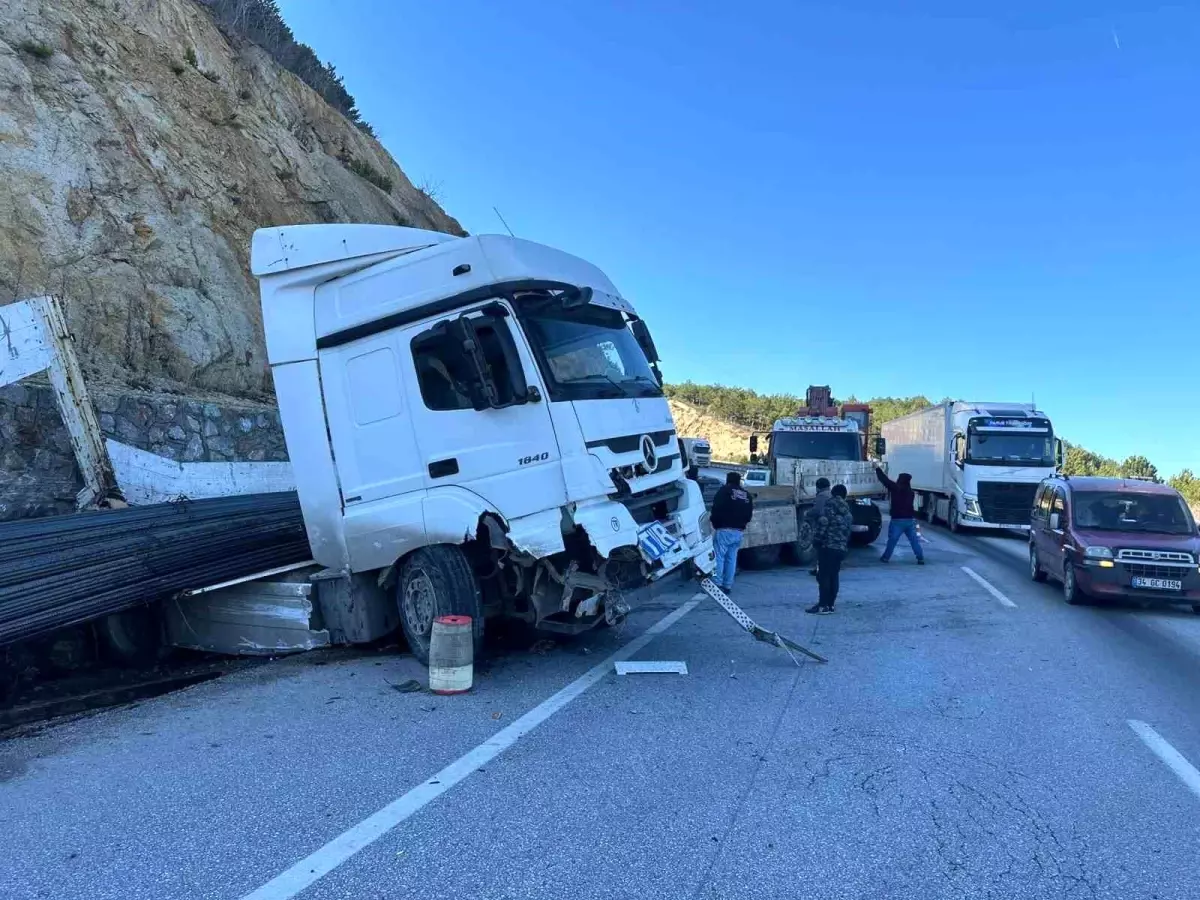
966, 740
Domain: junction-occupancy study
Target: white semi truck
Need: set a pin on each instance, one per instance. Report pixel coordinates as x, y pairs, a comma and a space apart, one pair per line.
974, 465
476, 426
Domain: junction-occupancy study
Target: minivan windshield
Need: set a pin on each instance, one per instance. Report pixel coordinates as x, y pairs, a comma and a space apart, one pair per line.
1118, 511
588, 353
816, 445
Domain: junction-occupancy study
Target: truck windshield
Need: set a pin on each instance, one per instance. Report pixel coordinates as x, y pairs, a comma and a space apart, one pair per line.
1116, 511
991, 448
816, 445
587, 352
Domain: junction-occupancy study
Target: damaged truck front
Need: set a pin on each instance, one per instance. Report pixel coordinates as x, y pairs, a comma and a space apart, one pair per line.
476, 422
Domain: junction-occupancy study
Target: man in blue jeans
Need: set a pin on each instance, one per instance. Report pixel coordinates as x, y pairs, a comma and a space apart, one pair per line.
903, 517
732, 509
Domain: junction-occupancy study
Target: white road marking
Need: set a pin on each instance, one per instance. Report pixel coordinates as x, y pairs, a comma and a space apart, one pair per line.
1004, 601
321, 862
1175, 760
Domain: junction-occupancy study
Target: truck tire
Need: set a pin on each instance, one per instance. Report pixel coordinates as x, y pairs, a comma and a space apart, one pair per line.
132, 637
865, 538
801, 551
761, 557
931, 508
437, 581
952, 518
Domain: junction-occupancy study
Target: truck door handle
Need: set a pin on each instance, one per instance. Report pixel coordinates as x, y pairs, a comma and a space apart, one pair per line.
443, 467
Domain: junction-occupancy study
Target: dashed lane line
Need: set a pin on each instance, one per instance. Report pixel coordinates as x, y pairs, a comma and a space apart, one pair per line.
1004, 601
1174, 760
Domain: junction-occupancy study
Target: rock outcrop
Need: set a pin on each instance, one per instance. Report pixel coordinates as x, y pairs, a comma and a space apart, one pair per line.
139, 149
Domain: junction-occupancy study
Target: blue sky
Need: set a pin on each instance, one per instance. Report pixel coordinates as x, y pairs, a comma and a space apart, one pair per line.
987, 206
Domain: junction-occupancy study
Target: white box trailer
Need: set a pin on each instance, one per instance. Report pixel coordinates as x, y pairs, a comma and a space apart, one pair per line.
974, 464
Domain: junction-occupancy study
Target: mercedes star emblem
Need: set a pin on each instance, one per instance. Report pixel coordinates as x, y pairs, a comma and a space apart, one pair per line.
649, 454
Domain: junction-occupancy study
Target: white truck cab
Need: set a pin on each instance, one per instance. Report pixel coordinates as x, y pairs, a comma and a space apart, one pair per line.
480, 420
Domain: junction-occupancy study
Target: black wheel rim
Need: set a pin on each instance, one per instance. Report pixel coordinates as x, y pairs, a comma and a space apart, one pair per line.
418, 603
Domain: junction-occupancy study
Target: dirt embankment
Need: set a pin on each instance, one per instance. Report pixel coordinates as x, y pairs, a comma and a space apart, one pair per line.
729, 441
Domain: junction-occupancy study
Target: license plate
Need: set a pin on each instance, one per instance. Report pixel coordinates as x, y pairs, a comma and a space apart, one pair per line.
1158, 584
655, 541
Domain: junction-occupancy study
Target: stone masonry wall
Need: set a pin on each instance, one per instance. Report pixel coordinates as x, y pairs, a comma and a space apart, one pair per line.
38, 475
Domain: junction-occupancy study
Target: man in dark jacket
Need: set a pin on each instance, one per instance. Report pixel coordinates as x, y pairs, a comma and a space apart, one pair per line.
832, 536
903, 518
732, 509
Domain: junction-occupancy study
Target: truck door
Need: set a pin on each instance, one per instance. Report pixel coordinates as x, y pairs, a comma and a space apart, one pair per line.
367, 412
509, 455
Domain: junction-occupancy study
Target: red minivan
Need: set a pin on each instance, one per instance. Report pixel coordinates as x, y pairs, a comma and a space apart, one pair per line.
1115, 538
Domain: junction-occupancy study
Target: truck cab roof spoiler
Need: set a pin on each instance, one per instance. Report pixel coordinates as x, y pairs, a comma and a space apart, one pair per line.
275, 250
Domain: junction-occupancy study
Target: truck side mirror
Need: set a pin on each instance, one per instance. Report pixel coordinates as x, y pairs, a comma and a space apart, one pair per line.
960, 449
1054, 522
754, 443
1059, 453
880, 447
642, 335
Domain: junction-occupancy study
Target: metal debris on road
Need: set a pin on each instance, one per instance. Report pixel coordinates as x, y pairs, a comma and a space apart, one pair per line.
650, 667
761, 634
407, 687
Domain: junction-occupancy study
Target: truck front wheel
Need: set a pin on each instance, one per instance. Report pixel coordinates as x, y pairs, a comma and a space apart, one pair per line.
863, 538
801, 552
437, 581
761, 557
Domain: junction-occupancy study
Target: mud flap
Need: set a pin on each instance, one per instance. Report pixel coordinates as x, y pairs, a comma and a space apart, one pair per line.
761, 634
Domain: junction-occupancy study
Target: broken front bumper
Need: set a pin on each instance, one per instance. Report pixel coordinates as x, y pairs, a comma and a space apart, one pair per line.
663, 544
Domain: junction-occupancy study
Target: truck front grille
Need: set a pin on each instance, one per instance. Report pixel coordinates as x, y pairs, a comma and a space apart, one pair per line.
656, 503
1005, 503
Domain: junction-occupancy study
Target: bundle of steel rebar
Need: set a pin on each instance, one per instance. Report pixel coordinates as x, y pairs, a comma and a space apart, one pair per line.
64, 570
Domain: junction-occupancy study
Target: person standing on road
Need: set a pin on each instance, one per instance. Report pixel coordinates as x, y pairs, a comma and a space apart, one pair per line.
732, 509
813, 513
903, 516
834, 524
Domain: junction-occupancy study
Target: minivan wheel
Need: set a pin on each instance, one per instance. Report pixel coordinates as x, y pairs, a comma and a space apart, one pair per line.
1071, 592
1035, 566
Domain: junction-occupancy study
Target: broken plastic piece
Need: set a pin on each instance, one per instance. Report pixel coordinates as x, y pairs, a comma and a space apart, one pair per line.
651, 667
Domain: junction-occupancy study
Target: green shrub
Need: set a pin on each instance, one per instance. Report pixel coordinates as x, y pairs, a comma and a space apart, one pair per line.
33, 48
190, 57
368, 172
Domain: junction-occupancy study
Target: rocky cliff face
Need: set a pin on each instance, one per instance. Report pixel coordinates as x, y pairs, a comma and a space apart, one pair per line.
139, 149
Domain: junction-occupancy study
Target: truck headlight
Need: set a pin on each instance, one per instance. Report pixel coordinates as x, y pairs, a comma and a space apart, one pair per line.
972, 509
